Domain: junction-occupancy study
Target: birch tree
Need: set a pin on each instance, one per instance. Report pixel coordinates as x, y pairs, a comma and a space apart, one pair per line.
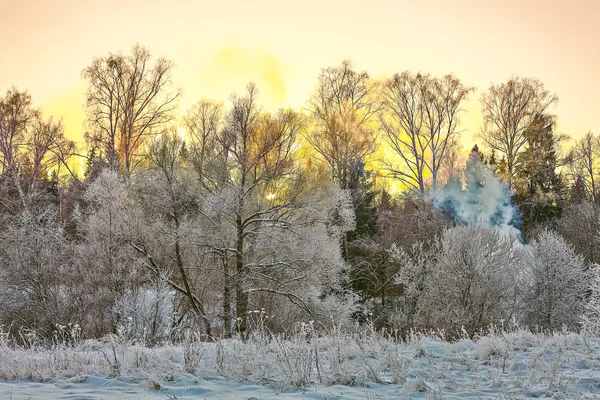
129, 99
30, 148
585, 165
344, 108
420, 119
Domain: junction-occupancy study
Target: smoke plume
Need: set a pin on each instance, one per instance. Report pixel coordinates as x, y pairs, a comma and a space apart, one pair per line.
480, 199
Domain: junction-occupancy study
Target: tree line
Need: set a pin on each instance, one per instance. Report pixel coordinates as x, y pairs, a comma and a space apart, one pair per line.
230, 213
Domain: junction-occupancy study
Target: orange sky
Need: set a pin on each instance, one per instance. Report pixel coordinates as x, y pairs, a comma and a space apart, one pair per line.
218, 46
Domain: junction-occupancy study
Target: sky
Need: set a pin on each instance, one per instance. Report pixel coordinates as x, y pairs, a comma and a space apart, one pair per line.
219, 46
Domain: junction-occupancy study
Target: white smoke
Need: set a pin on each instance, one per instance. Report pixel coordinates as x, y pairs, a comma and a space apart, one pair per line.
481, 198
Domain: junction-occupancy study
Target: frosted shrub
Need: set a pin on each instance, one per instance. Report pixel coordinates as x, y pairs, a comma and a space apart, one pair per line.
242, 360
491, 346
145, 314
193, 350
591, 318
556, 284
475, 281
416, 262
297, 360
38, 282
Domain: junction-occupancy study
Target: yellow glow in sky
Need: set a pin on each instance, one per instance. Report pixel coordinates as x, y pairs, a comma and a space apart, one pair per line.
218, 47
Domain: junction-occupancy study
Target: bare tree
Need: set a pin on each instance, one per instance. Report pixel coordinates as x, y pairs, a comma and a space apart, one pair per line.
46, 148
203, 123
259, 152
508, 111
420, 120
169, 201
29, 146
585, 164
128, 99
16, 117
343, 108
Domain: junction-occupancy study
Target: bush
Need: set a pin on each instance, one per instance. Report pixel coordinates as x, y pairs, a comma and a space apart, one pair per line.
556, 289
474, 282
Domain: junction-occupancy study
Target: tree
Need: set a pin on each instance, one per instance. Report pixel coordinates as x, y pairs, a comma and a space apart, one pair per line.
508, 111
112, 268
203, 123
262, 176
268, 233
343, 108
480, 199
557, 284
17, 116
40, 283
475, 280
30, 148
580, 227
539, 188
584, 165
420, 120
128, 100
167, 236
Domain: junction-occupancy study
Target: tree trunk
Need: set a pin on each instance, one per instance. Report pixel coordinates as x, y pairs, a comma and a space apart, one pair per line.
226, 299
197, 306
241, 295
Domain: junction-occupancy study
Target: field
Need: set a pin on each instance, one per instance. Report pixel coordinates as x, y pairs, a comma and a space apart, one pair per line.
339, 365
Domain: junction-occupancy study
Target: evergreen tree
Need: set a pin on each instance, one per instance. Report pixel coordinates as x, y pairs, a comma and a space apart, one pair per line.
578, 192
539, 188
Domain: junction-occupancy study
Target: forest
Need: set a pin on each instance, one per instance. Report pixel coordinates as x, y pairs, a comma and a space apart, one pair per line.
360, 208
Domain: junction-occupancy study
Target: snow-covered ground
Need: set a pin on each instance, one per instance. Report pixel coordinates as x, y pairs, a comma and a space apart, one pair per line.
337, 366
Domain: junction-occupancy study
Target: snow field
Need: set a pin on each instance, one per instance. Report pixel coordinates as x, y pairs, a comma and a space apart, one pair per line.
340, 365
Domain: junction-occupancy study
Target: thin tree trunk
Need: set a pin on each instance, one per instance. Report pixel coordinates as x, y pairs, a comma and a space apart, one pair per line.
241, 295
198, 307
226, 299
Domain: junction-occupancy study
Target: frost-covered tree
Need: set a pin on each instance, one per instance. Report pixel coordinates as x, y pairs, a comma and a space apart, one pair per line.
415, 263
475, 280
480, 199
556, 284
230, 221
257, 190
40, 286
170, 231
590, 320
580, 227
104, 253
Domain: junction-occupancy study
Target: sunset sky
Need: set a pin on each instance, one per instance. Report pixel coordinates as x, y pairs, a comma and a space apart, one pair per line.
219, 46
